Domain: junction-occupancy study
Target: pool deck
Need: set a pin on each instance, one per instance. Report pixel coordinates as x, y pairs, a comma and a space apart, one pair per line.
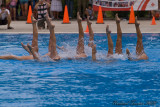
146, 27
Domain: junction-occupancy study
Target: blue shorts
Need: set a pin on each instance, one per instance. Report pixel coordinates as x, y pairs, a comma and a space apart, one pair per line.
23, 1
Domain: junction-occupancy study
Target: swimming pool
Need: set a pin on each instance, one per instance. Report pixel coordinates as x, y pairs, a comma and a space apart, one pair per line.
79, 82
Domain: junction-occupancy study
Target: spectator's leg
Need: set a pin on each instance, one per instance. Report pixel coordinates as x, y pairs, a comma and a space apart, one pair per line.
71, 9
84, 3
26, 9
86, 13
54, 14
79, 6
14, 13
22, 9
9, 20
11, 13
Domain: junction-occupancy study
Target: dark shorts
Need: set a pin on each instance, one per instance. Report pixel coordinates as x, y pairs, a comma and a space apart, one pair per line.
4, 22
41, 23
12, 6
23, 1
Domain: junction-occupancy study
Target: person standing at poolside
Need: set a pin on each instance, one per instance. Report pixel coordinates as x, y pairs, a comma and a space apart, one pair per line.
82, 4
0, 3
41, 8
24, 7
70, 7
5, 17
139, 47
56, 7
13, 4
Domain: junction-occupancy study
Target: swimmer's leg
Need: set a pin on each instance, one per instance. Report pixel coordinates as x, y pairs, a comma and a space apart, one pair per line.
35, 34
80, 47
118, 48
13, 57
91, 34
26, 48
33, 51
110, 42
52, 46
139, 48
94, 51
9, 57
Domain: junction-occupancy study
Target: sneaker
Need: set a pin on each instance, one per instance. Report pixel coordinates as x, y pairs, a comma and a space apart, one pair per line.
10, 28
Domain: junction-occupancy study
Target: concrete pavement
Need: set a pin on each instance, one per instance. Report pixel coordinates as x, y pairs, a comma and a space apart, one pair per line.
146, 27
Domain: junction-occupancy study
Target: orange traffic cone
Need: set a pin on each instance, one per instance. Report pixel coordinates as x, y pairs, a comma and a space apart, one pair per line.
29, 21
132, 16
66, 16
87, 30
153, 21
100, 16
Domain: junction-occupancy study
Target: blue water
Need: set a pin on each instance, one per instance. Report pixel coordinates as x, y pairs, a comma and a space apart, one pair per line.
79, 82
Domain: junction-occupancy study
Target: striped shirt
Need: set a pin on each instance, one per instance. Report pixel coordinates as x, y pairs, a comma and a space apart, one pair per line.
42, 11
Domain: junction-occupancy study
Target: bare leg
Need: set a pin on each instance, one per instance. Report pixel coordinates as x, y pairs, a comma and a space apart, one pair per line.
91, 34
119, 36
80, 46
9, 19
26, 48
14, 14
139, 48
22, 8
13, 57
35, 34
32, 50
110, 42
52, 42
35, 37
25, 9
94, 51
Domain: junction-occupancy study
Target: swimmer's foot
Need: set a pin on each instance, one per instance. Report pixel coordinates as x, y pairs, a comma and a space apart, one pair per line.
79, 19
107, 30
56, 58
88, 21
52, 26
136, 22
128, 52
35, 55
33, 20
26, 48
117, 18
83, 55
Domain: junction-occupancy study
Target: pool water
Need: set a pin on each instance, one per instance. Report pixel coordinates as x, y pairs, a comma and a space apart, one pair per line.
83, 82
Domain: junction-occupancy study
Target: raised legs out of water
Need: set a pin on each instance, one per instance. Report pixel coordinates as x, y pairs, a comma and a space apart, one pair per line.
34, 44
139, 48
80, 46
52, 52
118, 49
